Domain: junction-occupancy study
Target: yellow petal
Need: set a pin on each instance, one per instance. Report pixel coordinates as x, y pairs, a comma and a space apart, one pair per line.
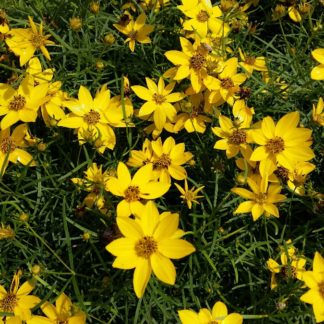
163, 268
188, 317
25, 288
318, 263
175, 248
286, 123
141, 277
129, 228
317, 72
268, 127
150, 218
318, 55
243, 193
154, 189
257, 211
122, 246
167, 227
244, 207
126, 261
49, 310
142, 93
143, 175
233, 318
219, 310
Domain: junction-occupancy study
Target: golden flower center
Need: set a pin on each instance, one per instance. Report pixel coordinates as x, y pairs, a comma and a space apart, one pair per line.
132, 35
18, 102
197, 61
162, 162
227, 83
289, 272
132, 193
92, 117
282, 173
158, 98
261, 198
238, 137
189, 195
8, 303
7, 145
146, 246
250, 60
37, 40
202, 16
275, 145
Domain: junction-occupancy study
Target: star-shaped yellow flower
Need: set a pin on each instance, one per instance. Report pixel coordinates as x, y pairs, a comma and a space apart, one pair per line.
159, 99
148, 245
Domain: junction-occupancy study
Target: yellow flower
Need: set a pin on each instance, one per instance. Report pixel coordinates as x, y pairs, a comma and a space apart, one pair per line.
63, 312
6, 232
189, 196
168, 159
228, 83
192, 63
261, 199
138, 158
203, 16
315, 281
17, 300
149, 244
75, 23
291, 267
24, 42
21, 104
92, 116
52, 108
218, 315
283, 142
192, 114
95, 182
297, 177
317, 72
317, 113
140, 187
136, 31
251, 63
234, 138
11, 148
159, 98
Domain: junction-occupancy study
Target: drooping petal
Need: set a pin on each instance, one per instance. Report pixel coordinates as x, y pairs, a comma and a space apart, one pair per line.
163, 268
141, 277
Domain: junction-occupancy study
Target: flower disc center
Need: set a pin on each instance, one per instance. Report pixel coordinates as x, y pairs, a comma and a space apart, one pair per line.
238, 137
132, 193
92, 117
163, 162
275, 145
146, 246
202, 16
17, 103
158, 98
8, 303
197, 61
7, 145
